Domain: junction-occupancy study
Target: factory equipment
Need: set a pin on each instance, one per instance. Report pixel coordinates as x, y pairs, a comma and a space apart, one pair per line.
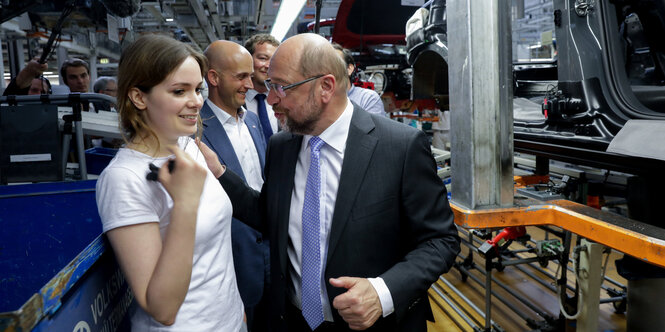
595, 70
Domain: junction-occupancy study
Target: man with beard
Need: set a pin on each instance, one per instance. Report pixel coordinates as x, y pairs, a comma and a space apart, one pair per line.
261, 46
236, 136
358, 220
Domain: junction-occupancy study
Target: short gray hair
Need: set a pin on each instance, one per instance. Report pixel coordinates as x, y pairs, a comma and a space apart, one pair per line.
101, 83
322, 58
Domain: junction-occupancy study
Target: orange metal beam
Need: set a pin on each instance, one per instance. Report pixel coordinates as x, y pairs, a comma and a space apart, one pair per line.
637, 239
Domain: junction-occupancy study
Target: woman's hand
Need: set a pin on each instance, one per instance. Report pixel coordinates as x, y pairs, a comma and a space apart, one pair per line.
185, 183
212, 161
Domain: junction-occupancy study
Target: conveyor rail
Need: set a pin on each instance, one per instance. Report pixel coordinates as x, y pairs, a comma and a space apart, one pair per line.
643, 241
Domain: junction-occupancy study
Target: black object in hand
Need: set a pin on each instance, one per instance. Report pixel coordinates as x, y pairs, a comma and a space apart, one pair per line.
154, 170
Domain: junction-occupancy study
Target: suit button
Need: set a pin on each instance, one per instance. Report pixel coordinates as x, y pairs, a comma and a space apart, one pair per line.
281, 317
259, 240
281, 276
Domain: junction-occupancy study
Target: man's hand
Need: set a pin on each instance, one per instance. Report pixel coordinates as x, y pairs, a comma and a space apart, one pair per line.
31, 70
360, 305
212, 161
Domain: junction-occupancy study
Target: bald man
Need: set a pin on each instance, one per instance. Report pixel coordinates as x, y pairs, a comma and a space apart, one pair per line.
237, 138
358, 219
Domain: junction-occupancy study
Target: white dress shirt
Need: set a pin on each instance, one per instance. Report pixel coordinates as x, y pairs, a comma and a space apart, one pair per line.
331, 158
242, 143
250, 103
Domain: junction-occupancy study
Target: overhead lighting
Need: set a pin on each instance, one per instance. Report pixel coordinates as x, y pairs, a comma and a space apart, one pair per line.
169, 20
288, 11
104, 60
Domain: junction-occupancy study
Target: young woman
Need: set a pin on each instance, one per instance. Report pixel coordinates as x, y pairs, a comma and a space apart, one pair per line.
171, 237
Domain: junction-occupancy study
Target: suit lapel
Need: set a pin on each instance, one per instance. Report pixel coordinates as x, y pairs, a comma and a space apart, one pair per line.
360, 146
288, 159
214, 133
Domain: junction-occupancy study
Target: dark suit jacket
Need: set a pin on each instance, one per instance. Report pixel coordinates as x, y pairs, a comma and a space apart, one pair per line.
251, 254
391, 219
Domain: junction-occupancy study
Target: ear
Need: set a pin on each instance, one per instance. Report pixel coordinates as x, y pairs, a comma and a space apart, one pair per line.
138, 98
328, 84
350, 68
212, 78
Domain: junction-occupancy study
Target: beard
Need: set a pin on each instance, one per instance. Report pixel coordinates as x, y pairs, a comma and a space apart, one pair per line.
311, 112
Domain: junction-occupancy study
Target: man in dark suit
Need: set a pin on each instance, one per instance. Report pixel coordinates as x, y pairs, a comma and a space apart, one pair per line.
237, 138
365, 185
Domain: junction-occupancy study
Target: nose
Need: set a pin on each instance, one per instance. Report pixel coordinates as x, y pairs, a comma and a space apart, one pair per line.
272, 97
248, 83
195, 101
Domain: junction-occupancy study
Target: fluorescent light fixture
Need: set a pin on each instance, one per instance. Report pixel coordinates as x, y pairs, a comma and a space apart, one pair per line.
169, 20
288, 11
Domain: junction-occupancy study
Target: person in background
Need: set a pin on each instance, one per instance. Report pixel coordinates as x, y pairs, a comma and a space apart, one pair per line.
75, 74
261, 46
236, 136
358, 220
172, 236
29, 81
108, 86
367, 99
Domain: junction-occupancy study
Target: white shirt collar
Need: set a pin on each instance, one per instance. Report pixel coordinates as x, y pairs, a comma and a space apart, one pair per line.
251, 94
336, 134
224, 117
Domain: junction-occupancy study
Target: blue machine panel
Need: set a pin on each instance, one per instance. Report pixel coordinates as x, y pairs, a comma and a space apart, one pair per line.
57, 273
42, 228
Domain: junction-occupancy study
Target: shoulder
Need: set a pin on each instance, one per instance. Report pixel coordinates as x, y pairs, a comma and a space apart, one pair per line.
124, 195
126, 165
250, 116
283, 136
388, 131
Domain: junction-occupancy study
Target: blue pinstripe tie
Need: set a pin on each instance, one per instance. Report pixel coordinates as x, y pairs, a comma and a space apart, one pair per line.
312, 309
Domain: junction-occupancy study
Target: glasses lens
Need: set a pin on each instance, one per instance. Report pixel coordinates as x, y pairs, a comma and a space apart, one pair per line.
278, 89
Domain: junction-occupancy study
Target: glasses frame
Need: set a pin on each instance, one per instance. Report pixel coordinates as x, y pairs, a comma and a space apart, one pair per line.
279, 89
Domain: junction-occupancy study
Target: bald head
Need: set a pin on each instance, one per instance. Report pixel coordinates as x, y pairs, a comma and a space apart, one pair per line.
230, 74
225, 54
310, 54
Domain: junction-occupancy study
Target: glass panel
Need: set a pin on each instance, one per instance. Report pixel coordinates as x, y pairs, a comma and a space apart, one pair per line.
533, 31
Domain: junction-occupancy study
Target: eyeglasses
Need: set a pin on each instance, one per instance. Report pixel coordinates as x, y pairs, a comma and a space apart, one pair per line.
279, 89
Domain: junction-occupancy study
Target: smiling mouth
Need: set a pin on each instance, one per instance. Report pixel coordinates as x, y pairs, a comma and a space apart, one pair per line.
189, 117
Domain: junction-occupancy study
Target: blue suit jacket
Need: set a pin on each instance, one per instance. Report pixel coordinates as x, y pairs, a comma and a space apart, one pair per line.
251, 252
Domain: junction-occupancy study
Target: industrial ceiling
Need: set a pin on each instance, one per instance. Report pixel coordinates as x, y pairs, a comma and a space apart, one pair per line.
88, 33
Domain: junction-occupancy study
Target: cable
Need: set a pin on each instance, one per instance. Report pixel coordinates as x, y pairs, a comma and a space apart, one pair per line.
56, 31
579, 294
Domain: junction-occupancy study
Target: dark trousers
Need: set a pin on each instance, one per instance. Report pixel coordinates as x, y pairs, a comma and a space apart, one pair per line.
297, 323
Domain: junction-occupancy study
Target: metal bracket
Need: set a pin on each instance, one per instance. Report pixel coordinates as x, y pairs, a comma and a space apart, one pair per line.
583, 7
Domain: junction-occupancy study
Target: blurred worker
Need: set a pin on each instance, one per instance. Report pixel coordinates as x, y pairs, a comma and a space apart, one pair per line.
261, 46
367, 99
108, 86
236, 136
75, 74
29, 81
441, 131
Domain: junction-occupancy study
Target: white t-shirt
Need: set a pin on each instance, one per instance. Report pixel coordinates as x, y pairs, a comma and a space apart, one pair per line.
125, 197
